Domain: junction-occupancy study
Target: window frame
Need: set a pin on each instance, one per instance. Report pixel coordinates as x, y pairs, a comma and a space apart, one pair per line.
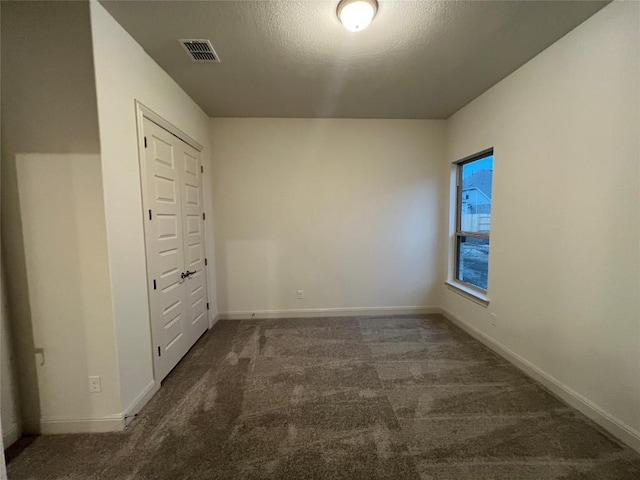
467, 288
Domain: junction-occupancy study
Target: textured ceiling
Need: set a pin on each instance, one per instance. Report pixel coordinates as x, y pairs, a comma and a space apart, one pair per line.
418, 59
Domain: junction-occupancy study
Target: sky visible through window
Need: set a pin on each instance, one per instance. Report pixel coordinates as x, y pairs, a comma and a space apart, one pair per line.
483, 164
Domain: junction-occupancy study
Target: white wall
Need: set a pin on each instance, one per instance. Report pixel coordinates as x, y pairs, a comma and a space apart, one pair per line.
565, 246
125, 73
68, 280
346, 210
52, 218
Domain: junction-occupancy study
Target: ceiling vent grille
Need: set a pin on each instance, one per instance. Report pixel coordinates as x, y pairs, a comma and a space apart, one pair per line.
200, 50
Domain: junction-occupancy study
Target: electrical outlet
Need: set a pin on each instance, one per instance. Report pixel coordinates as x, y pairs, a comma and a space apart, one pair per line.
300, 294
94, 385
494, 319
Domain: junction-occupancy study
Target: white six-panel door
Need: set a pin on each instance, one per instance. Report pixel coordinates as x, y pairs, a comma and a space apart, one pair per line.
174, 237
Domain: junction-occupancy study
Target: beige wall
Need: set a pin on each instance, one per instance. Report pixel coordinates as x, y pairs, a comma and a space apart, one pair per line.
9, 396
565, 247
57, 274
68, 280
346, 210
125, 73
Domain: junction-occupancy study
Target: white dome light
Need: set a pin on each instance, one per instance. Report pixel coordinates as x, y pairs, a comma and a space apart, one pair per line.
356, 15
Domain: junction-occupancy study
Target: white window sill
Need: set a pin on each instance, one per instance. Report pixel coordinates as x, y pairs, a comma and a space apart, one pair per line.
467, 292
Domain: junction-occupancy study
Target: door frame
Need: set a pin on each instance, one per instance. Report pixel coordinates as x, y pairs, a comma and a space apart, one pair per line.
142, 112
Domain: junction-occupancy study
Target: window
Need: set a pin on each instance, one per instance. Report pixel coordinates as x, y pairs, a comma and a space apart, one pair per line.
473, 220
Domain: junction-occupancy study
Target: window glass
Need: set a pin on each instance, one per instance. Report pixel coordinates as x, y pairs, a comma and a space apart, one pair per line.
473, 261
473, 219
475, 204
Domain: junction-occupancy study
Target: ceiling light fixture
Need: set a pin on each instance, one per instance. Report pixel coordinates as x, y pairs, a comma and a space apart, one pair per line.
356, 15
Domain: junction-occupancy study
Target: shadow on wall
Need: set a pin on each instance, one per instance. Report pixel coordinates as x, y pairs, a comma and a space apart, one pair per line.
18, 307
48, 105
62, 253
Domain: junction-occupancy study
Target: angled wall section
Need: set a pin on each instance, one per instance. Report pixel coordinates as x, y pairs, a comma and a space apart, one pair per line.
565, 245
53, 225
125, 73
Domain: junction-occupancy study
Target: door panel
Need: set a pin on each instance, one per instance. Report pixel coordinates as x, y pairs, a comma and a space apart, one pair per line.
174, 237
165, 251
193, 234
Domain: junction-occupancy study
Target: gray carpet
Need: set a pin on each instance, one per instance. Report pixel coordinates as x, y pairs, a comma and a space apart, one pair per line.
408, 397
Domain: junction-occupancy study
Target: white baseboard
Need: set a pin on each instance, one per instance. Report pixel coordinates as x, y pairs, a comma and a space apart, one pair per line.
214, 320
140, 401
109, 423
616, 427
10, 435
326, 312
